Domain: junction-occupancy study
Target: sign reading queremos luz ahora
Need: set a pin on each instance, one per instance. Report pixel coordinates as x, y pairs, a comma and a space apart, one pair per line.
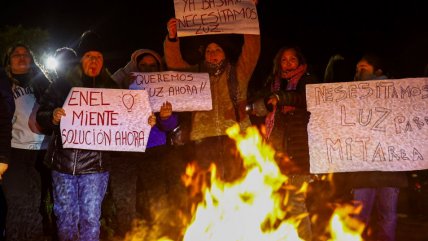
368, 125
106, 119
186, 91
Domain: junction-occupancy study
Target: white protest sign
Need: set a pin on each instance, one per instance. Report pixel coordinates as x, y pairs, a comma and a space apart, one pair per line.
368, 125
106, 119
185, 91
203, 17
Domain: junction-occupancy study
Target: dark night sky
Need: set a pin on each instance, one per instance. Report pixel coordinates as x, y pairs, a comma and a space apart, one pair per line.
321, 28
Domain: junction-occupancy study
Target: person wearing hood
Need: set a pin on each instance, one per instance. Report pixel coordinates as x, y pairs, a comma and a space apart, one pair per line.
142, 60
22, 182
139, 180
229, 82
79, 177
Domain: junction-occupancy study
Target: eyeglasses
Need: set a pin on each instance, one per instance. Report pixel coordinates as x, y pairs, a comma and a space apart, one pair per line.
20, 56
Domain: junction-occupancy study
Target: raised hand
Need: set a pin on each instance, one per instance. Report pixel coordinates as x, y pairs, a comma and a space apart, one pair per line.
165, 110
172, 28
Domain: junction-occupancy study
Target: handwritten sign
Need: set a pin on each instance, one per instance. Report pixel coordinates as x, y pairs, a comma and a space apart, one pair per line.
203, 17
185, 91
368, 125
106, 119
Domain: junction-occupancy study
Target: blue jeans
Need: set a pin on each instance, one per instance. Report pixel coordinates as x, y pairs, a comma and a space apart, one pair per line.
77, 204
385, 201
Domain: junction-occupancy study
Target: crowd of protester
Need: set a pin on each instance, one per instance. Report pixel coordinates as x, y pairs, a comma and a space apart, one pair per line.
56, 193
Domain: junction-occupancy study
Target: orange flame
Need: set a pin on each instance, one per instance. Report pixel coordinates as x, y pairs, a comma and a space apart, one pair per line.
251, 207
254, 207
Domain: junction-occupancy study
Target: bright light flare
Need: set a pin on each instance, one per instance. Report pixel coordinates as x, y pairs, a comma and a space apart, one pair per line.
51, 63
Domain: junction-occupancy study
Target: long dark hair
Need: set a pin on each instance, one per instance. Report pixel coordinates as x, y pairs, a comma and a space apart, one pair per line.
276, 70
6, 58
38, 80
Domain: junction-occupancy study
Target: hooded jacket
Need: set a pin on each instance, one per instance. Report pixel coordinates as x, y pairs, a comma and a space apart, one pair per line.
121, 75
158, 135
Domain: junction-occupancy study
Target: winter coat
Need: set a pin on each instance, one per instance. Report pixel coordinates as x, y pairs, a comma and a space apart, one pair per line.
290, 134
71, 161
222, 116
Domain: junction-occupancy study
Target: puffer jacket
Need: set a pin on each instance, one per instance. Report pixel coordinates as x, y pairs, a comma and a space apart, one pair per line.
289, 134
222, 116
71, 161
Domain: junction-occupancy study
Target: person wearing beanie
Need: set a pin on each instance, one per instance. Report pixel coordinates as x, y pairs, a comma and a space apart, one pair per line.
79, 177
22, 183
142, 171
67, 59
229, 83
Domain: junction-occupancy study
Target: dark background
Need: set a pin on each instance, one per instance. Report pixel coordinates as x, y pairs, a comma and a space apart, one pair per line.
395, 29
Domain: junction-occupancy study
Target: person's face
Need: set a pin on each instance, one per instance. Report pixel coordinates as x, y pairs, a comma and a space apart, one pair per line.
289, 60
214, 54
92, 62
20, 61
148, 64
364, 70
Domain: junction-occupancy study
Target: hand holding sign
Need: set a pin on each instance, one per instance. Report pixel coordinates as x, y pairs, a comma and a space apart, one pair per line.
57, 114
172, 28
152, 120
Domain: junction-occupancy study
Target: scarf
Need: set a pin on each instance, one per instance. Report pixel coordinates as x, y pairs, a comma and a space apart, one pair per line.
292, 78
216, 69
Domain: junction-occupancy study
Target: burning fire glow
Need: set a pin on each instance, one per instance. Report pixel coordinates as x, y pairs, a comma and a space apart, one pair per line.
251, 208
254, 207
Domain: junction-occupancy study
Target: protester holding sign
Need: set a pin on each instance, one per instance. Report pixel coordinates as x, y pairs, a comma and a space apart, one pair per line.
22, 182
79, 176
376, 190
139, 180
229, 83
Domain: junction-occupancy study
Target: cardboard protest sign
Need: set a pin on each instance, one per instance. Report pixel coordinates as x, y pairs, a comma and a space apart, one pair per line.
202, 17
106, 119
368, 125
185, 91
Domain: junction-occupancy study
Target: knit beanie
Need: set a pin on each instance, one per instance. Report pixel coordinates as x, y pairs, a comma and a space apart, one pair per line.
89, 41
229, 43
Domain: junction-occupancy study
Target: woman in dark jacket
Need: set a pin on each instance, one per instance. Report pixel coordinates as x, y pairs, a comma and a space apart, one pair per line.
22, 183
286, 124
79, 176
